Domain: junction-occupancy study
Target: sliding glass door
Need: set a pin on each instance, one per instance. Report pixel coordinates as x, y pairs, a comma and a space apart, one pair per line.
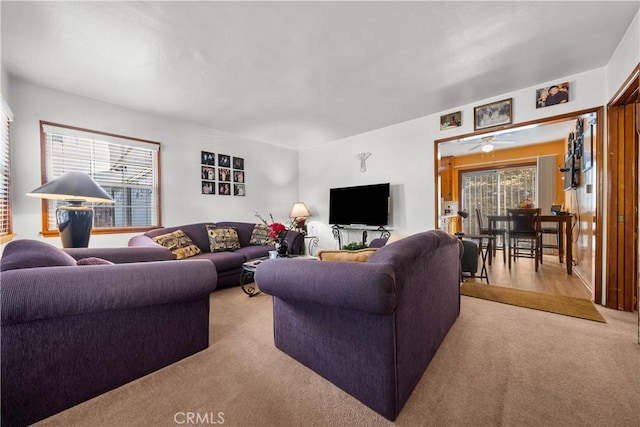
493, 191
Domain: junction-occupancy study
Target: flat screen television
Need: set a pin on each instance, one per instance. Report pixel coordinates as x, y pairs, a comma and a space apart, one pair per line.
361, 205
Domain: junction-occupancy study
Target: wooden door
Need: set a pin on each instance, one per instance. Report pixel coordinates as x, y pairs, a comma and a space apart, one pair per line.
622, 200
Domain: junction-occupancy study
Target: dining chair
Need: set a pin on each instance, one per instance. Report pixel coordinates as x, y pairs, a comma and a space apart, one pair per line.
525, 235
494, 232
553, 229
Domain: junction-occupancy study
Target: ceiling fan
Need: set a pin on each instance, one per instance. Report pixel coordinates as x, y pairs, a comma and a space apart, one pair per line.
488, 143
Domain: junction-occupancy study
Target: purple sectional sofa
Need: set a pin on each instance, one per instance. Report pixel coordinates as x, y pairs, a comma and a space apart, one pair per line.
70, 332
371, 328
228, 263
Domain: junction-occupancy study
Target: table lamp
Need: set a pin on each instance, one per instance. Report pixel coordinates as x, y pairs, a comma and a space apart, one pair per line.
75, 220
299, 213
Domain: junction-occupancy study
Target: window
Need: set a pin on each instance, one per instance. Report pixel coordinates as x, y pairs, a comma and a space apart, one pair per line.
493, 191
6, 216
127, 169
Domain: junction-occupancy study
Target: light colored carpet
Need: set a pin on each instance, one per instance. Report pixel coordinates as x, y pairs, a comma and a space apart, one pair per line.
500, 365
567, 306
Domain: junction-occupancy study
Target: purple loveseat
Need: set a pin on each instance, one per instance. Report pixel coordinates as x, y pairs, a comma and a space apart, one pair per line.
370, 328
228, 263
71, 332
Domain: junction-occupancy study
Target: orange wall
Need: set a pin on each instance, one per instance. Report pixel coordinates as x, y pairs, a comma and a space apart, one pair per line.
510, 157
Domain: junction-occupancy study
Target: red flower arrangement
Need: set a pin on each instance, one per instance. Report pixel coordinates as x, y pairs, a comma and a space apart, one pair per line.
278, 230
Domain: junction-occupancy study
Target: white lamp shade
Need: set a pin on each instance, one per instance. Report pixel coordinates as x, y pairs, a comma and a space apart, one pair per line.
299, 210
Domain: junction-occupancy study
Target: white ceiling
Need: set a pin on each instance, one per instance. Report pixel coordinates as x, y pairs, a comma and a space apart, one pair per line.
297, 74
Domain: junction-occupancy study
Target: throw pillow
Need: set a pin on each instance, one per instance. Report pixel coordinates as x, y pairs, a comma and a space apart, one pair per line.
92, 260
222, 238
178, 243
260, 235
27, 253
360, 255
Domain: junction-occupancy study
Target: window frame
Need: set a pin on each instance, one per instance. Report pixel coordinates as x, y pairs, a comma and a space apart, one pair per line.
47, 232
7, 114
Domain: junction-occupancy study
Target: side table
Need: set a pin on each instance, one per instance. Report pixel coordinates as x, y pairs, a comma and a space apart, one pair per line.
249, 269
247, 273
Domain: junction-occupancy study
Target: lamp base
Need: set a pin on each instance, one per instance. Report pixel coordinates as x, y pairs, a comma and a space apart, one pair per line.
75, 222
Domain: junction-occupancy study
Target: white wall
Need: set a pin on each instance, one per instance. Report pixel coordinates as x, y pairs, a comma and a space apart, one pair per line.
4, 85
624, 59
403, 154
271, 172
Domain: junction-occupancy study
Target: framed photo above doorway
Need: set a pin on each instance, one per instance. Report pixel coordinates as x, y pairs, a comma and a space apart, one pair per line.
552, 95
493, 114
451, 120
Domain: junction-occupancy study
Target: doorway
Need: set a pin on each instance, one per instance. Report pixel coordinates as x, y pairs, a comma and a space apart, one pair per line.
545, 134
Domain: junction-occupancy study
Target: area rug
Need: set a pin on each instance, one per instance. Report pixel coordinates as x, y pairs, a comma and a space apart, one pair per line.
567, 306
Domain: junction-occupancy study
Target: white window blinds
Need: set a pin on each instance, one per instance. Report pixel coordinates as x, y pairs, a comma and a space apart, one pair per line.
127, 169
5, 171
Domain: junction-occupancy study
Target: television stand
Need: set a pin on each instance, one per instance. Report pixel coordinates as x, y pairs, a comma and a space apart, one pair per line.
337, 232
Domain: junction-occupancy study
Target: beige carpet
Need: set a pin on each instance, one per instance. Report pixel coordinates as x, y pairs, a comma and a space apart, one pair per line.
499, 365
568, 306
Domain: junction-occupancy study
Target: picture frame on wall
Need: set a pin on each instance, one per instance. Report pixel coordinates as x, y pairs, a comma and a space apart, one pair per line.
224, 160
224, 174
451, 120
553, 95
493, 114
238, 163
224, 189
207, 158
238, 190
208, 187
208, 173
238, 176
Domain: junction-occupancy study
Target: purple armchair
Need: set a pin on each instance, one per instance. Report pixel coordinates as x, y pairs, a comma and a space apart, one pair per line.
71, 332
370, 328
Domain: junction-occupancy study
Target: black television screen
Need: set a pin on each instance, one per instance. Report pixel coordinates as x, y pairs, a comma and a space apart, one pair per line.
362, 205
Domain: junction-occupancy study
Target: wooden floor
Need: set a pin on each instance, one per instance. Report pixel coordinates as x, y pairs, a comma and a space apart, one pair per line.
551, 278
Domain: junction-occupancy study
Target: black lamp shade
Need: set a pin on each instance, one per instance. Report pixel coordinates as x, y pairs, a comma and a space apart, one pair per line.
72, 186
74, 220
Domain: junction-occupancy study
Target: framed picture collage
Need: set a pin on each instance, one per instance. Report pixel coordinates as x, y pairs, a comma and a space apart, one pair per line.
222, 174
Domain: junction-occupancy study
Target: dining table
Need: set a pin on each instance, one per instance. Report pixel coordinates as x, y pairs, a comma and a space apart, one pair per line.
564, 221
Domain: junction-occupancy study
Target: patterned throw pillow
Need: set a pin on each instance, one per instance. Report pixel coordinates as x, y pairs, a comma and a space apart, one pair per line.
260, 235
222, 238
178, 243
